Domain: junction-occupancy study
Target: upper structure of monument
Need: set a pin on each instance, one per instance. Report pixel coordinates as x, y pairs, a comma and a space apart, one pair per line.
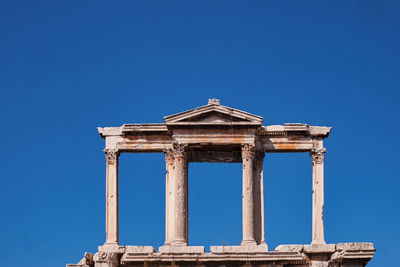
216, 133
213, 113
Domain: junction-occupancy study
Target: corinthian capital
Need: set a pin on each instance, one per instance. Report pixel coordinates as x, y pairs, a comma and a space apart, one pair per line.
179, 150
318, 154
169, 155
111, 155
248, 150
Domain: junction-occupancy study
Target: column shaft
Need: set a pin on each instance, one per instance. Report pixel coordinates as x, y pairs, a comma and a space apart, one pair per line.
169, 190
318, 156
262, 208
180, 195
187, 200
259, 197
112, 196
248, 195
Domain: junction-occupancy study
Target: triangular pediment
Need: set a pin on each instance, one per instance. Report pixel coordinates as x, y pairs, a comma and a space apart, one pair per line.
213, 116
213, 113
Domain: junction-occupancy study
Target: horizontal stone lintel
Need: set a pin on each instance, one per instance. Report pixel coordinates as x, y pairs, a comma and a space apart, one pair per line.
272, 130
268, 146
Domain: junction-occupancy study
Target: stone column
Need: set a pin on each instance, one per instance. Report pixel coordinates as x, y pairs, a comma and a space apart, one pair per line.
259, 197
180, 196
248, 195
169, 194
187, 200
112, 196
318, 156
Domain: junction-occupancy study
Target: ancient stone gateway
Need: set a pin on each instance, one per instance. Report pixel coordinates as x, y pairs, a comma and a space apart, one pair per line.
216, 133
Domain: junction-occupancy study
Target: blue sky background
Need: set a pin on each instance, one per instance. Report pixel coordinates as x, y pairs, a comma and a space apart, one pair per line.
67, 67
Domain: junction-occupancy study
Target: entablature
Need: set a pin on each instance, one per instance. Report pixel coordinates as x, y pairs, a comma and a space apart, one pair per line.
214, 125
157, 137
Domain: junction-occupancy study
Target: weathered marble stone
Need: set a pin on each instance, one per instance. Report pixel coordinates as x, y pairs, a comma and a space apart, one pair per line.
86, 261
139, 250
106, 259
355, 246
291, 248
181, 249
328, 248
239, 249
216, 133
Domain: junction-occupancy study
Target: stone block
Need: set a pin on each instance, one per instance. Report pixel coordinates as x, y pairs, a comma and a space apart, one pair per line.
319, 263
320, 248
239, 249
105, 259
139, 249
102, 256
289, 248
169, 249
355, 246
115, 248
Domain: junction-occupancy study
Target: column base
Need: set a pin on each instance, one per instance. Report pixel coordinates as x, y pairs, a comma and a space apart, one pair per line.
318, 242
112, 247
248, 243
173, 249
181, 243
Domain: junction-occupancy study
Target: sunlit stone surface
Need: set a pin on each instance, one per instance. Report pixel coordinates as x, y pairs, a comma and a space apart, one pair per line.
215, 133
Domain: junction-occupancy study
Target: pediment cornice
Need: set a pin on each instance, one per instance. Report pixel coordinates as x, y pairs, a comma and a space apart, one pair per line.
213, 114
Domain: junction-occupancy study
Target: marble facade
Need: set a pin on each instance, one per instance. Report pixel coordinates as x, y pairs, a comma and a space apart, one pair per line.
216, 133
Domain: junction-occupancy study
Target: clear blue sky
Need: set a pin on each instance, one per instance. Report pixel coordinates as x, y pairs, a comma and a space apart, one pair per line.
67, 67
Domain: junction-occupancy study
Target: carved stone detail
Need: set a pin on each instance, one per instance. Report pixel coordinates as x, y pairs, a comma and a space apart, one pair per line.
111, 155
214, 101
180, 150
318, 155
215, 133
103, 256
169, 156
248, 150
